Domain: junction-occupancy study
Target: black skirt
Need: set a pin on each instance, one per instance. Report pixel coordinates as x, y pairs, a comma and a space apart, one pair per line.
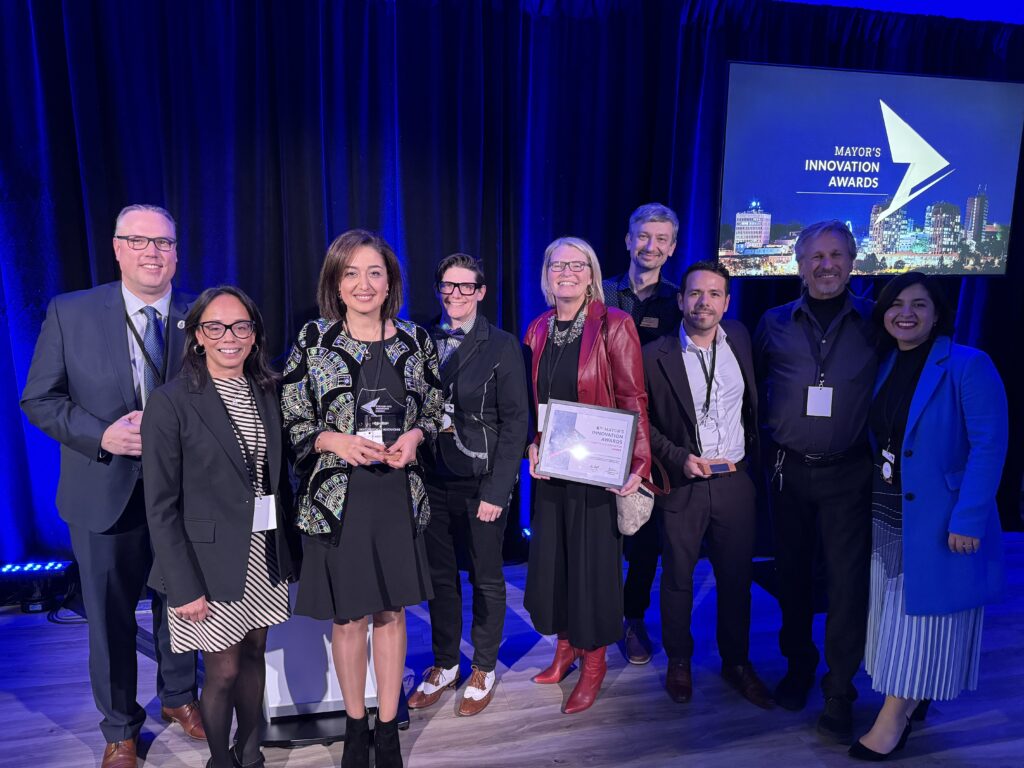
378, 564
574, 577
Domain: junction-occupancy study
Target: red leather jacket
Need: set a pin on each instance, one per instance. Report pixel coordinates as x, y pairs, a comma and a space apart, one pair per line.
611, 370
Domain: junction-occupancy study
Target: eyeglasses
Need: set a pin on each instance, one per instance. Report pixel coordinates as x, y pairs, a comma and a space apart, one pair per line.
466, 289
242, 329
561, 266
139, 242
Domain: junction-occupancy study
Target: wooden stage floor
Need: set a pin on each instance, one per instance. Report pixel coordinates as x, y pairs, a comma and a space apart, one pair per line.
47, 717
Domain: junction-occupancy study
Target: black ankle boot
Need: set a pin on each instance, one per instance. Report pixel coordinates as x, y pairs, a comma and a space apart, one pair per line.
386, 749
357, 743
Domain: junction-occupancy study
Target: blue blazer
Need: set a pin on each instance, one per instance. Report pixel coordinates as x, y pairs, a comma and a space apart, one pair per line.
953, 453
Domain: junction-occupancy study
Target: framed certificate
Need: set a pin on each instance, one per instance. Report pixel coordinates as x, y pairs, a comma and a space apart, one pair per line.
587, 443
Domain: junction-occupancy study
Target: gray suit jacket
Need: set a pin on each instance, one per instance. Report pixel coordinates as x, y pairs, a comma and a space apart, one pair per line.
79, 383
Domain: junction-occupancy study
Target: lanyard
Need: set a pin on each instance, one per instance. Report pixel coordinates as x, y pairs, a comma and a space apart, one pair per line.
160, 374
550, 367
709, 375
816, 345
249, 455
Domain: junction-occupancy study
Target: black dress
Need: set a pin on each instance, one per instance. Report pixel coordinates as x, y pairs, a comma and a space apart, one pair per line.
574, 576
378, 563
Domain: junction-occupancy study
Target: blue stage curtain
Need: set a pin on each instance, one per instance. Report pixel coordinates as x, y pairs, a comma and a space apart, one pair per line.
268, 128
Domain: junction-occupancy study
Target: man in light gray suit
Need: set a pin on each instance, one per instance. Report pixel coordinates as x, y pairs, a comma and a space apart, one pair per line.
100, 352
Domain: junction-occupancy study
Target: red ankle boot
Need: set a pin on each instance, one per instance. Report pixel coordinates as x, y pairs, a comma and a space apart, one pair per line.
565, 655
585, 692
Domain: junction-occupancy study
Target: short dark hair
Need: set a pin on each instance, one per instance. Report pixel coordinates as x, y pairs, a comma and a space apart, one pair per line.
462, 261
257, 364
946, 323
339, 254
707, 266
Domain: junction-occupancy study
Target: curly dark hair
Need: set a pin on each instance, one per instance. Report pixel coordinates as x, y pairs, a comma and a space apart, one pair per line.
257, 364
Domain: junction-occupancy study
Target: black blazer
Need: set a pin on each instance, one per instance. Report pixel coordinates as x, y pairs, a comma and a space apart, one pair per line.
670, 403
80, 382
485, 380
199, 499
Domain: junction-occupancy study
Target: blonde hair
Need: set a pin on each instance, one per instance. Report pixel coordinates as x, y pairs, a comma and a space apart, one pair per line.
581, 245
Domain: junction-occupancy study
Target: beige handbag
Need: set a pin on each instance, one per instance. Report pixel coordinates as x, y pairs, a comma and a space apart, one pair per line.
635, 509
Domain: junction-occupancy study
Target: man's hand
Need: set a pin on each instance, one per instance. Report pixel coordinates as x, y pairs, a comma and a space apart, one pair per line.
487, 512
124, 436
197, 610
695, 467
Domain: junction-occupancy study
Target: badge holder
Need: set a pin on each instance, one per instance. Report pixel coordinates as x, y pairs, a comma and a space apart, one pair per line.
819, 400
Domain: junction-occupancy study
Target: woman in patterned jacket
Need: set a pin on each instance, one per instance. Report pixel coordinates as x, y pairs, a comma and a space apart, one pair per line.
361, 393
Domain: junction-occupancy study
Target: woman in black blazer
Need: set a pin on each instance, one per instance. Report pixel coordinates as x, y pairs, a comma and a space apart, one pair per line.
213, 465
470, 478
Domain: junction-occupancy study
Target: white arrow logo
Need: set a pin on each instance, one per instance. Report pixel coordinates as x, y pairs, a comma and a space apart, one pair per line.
907, 146
371, 407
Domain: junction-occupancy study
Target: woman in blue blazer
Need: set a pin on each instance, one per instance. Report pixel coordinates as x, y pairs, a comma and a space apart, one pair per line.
939, 427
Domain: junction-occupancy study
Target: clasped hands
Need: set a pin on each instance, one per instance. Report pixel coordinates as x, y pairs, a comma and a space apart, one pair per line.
359, 451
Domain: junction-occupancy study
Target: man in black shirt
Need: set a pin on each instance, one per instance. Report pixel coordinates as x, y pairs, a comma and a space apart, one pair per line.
651, 302
816, 359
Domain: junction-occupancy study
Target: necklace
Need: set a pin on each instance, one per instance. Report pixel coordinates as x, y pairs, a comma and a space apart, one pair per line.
561, 338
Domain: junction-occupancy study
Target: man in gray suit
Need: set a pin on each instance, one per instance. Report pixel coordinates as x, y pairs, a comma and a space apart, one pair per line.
100, 352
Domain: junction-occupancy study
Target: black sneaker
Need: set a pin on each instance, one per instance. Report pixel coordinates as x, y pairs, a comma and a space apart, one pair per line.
836, 721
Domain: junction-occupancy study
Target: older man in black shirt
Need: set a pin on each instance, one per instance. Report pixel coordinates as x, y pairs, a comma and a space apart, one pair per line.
816, 359
652, 303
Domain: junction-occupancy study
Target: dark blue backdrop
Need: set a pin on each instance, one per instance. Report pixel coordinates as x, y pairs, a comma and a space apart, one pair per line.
269, 127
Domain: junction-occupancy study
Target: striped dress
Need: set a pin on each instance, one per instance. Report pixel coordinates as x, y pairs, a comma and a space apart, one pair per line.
913, 657
265, 599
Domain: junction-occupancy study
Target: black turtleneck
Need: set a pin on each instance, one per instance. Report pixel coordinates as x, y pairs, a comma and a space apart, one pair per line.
826, 310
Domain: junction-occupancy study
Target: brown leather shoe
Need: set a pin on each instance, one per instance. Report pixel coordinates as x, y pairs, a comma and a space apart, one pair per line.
679, 681
187, 716
120, 754
432, 681
745, 680
470, 706
636, 641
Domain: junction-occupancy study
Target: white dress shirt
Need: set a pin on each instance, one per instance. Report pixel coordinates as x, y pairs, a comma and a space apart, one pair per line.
719, 431
133, 305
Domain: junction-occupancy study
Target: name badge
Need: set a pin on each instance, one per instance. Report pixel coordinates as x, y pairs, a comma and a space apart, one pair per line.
819, 401
649, 322
375, 434
542, 413
264, 516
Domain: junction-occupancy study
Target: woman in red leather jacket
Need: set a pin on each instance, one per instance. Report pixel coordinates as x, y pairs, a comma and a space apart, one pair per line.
589, 353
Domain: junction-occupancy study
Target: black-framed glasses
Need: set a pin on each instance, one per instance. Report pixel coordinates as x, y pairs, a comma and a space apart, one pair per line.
242, 329
575, 266
139, 242
466, 289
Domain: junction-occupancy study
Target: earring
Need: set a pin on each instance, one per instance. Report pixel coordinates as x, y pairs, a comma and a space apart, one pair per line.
199, 349
255, 349
590, 291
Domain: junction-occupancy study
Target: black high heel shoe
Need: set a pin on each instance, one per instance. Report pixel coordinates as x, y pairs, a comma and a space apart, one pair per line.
921, 710
859, 752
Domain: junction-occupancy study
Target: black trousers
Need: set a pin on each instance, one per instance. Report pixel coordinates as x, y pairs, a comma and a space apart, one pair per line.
453, 508
724, 510
831, 505
642, 550
114, 566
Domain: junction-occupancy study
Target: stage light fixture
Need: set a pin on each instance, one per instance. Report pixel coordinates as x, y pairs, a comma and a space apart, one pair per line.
37, 585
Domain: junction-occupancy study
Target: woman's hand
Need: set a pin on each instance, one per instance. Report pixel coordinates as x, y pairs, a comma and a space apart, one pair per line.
403, 451
963, 545
632, 483
534, 455
487, 512
355, 450
197, 610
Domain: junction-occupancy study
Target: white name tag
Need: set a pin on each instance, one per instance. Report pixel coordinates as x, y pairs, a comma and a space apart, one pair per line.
264, 516
819, 401
542, 413
376, 434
